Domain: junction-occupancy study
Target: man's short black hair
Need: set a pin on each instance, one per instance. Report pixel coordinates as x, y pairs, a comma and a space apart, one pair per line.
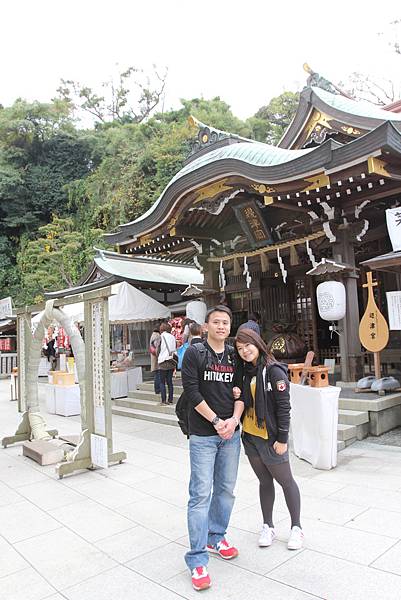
219, 308
195, 329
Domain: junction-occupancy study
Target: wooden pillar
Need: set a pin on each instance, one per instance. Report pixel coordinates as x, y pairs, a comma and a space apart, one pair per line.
350, 345
211, 282
315, 337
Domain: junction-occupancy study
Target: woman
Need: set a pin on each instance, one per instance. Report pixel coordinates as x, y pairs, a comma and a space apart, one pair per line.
266, 420
154, 367
166, 362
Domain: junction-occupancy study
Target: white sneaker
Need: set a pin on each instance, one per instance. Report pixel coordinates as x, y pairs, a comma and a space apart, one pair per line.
267, 536
296, 539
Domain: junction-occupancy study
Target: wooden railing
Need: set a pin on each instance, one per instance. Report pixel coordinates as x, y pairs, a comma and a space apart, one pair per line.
7, 362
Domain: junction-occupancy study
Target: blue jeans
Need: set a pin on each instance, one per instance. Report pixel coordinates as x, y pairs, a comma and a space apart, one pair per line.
214, 467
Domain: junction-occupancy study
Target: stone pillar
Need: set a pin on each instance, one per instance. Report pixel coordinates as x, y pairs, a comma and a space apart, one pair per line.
350, 346
24, 336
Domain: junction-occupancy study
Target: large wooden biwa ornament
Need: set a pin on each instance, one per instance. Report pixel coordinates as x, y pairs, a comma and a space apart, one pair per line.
373, 328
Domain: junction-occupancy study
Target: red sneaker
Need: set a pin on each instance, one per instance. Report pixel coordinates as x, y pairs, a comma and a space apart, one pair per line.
223, 549
200, 579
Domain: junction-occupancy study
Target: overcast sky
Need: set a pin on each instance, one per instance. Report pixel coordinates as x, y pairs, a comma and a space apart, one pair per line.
245, 52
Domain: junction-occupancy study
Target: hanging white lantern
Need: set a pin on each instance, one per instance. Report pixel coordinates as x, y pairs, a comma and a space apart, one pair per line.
393, 218
196, 310
331, 300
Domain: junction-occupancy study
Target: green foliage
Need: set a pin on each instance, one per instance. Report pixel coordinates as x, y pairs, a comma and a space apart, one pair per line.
61, 187
130, 99
270, 122
40, 151
56, 258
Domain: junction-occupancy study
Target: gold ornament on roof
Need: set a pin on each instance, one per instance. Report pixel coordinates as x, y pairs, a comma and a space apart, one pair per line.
212, 190
262, 188
316, 181
377, 166
350, 130
145, 239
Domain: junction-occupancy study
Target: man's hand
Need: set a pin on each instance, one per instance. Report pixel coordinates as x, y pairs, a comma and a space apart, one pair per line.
236, 393
227, 430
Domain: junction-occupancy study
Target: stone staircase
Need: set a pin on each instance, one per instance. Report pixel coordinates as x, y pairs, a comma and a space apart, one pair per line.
143, 403
353, 423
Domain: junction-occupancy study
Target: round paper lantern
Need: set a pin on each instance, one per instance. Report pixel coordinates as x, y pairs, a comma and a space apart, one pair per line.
331, 300
196, 310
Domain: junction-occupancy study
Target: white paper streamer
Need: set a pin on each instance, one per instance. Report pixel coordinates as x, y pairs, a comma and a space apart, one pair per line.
282, 267
245, 272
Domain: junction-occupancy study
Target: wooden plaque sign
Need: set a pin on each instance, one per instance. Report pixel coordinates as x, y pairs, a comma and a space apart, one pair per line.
373, 328
251, 220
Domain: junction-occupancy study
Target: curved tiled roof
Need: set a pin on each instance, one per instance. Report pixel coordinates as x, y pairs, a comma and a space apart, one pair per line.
258, 163
359, 108
255, 153
357, 113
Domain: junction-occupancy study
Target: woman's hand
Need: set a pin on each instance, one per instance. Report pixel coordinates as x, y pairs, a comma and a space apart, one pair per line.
236, 393
280, 448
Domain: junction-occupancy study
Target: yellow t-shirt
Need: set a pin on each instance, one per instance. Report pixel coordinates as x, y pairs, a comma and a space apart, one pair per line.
250, 423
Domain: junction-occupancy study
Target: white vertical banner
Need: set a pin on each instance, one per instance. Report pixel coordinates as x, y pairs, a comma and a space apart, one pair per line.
6, 308
394, 310
393, 218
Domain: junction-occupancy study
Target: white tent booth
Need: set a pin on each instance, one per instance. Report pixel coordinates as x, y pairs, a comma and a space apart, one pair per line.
128, 306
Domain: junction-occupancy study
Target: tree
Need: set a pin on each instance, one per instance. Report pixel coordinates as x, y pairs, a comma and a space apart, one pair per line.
377, 91
40, 151
270, 121
55, 259
139, 160
129, 100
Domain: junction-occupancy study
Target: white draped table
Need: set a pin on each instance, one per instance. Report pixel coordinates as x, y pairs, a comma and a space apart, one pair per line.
314, 419
122, 382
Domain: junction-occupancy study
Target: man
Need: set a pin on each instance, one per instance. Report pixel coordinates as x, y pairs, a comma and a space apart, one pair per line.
195, 333
214, 444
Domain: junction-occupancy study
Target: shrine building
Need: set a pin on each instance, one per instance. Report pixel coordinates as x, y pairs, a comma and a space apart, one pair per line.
266, 224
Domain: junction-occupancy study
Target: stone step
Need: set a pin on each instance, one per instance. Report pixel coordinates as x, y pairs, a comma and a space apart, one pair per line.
147, 405
346, 432
150, 395
370, 404
133, 413
340, 445
352, 417
149, 387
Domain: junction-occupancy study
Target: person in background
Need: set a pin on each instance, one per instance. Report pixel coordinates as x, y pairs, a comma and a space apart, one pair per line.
185, 329
265, 426
166, 350
195, 333
50, 349
252, 323
154, 367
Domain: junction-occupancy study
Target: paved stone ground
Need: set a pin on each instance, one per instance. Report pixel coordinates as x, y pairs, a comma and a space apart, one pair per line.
120, 533
391, 438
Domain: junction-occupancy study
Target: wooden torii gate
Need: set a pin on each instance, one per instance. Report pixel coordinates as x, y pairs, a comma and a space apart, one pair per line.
93, 367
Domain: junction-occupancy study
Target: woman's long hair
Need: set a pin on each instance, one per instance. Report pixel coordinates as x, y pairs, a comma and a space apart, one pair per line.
248, 336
